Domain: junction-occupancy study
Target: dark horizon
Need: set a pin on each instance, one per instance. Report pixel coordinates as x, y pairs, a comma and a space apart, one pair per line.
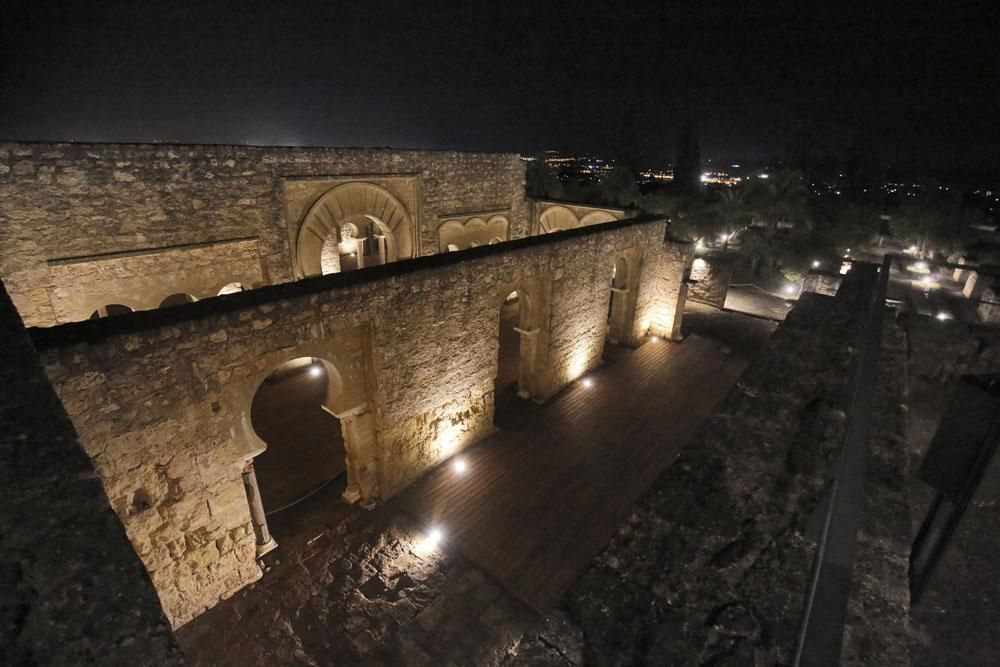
915, 88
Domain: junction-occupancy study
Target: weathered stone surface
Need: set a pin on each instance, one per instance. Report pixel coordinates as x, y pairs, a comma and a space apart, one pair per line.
71, 588
710, 276
359, 587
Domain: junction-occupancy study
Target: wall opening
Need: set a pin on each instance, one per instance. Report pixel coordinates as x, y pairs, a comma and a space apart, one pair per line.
110, 310
305, 443
232, 288
178, 299
619, 312
509, 354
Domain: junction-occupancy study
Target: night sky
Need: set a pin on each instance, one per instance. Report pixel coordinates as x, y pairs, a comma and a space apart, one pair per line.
908, 86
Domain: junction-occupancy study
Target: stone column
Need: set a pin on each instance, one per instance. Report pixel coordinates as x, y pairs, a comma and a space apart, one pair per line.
265, 542
359, 444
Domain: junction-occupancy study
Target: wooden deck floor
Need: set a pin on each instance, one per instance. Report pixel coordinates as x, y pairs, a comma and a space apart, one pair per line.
544, 494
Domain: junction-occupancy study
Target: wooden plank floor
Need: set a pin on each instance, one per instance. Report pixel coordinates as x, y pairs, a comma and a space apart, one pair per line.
547, 491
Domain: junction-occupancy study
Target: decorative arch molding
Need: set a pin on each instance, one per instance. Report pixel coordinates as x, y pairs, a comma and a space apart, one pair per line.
475, 230
351, 203
554, 216
557, 218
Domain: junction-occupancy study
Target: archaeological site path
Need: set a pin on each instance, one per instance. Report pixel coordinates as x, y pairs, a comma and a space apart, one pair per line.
546, 492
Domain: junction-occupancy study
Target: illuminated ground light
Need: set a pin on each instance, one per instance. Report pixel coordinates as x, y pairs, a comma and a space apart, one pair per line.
789, 289
943, 315
815, 263
587, 383
655, 339
431, 540
460, 465
316, 370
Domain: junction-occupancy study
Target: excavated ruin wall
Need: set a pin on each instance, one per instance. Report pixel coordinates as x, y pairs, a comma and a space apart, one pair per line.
62, 201
161, 399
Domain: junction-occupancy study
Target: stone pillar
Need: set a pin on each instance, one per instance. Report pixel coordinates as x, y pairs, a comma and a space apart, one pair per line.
359, 443
381, 249
265, 542
359, 251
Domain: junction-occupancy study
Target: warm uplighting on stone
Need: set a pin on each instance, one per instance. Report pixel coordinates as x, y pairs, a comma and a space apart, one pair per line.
460, 465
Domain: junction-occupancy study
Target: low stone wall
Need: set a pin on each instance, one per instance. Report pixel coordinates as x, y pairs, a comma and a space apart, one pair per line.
72, 590
710, 277
714, 562
162, 399
63, 200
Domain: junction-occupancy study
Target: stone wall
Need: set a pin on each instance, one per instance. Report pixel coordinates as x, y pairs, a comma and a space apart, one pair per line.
61, 201
72, 590
710, 277
142, 280
162, 398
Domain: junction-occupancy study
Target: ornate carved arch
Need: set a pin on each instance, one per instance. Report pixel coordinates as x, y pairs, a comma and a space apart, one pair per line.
339, 206
596, 218
557, 218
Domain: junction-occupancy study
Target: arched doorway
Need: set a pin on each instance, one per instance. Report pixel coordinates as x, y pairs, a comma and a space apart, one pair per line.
509, 353
305, 444
178, 299
619, 288
110, 310
621, 302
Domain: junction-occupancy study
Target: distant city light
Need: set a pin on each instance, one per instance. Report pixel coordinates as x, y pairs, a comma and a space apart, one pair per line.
943, 316
920, 266
762, 175
459, 465
912, 248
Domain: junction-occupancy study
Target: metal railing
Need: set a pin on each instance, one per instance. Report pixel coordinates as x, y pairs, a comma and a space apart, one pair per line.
821, 629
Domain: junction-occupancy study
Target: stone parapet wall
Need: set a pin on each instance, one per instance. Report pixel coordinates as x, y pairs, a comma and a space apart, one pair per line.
72, 590
162, 398
72, 200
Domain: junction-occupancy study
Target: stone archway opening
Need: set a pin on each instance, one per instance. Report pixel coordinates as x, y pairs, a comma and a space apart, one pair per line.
111, 310
621, 302
305, 445
178, 299
357, 217
509, 349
